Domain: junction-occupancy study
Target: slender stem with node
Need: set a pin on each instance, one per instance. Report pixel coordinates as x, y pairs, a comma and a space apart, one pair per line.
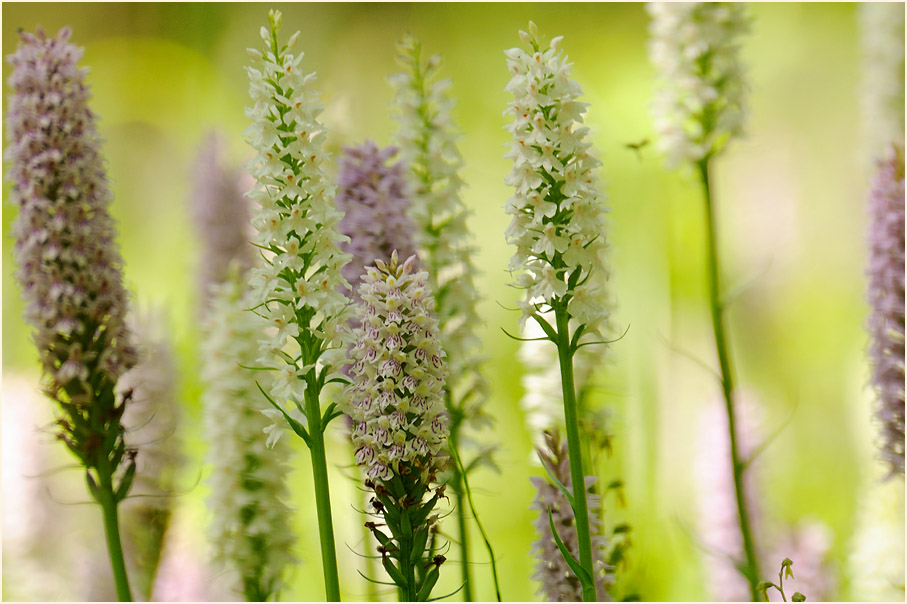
574, 448
722, 346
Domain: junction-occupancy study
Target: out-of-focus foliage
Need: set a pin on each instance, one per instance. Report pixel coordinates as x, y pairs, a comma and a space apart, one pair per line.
791, 218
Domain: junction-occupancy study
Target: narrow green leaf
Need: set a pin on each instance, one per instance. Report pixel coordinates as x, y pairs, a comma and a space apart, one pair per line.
546, 327
394, 573
580, 572
125, 483
444, 597
420, 516
576, 336
420, 539
383, 539
93, 487
429, 584
557, 482
257, 368
296, 426
373, 580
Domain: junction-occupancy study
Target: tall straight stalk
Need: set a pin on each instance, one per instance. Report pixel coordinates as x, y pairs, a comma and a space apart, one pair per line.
108, 505
574, 449
322, 499
722, 346
463, 530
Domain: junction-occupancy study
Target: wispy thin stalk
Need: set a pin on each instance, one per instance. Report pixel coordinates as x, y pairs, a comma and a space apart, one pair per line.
699, 109
725, 362
468, 494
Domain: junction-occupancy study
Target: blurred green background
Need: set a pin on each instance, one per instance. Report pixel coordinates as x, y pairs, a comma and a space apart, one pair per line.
792, 221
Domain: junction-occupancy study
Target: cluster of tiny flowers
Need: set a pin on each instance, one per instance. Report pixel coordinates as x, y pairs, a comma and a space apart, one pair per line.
69, 263
543, 398
882, 36
152, 418
250, 529
875, 564
221, 212
396, 397
557, 225
559, 583
699, 106
373, 199
300, 287
886, 297
427, 138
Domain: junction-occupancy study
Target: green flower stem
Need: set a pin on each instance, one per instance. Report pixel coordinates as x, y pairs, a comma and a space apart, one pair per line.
107, 500
456, 484
574, 447
322, 498
722, 347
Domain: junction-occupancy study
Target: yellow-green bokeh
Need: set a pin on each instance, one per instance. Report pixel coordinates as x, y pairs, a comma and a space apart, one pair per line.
791, 220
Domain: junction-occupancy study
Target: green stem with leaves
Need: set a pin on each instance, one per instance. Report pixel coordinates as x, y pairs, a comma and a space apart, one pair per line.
722, 347
574, 447
322, 497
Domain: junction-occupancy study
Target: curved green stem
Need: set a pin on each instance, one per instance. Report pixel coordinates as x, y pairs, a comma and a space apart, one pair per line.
574, 448
322, 499
722, 347
106, 499
468, 492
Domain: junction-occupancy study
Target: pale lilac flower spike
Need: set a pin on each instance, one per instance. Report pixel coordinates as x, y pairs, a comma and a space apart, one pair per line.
222, 213
374, 199
69, 263
886, 296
